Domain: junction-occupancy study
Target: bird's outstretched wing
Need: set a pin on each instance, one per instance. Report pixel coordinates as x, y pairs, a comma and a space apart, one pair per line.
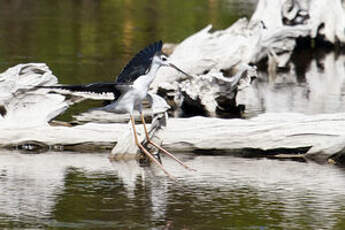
139, 64
98, 88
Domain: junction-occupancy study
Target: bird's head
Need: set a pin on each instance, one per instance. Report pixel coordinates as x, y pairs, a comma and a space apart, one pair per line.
162, 60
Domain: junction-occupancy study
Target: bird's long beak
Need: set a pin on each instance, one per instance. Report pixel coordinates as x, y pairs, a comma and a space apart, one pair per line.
180, 70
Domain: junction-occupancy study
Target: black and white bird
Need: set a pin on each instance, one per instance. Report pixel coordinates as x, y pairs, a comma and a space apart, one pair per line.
131, 88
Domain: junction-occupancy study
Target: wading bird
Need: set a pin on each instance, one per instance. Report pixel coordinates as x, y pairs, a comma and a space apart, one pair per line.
131, 88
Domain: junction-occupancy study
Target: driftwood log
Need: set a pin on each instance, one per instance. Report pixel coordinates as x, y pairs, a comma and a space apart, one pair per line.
271, 33
26, 112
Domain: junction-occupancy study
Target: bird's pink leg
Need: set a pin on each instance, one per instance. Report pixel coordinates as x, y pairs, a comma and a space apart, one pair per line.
161, 148
142, 148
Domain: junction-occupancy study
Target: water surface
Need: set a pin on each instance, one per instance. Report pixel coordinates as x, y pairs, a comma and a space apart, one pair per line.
75, 191
312, 83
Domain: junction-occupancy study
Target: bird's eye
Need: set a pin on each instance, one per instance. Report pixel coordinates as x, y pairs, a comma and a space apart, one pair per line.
164, 58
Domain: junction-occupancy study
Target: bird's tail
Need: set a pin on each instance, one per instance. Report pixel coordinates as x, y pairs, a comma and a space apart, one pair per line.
93, 90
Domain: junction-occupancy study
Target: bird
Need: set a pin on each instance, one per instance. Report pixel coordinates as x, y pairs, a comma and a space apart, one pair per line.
130, 88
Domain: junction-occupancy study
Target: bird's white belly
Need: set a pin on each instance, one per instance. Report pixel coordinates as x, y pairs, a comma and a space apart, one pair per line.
127, 102
132, 99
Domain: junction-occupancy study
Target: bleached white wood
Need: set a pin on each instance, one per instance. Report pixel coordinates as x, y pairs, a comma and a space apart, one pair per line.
271, 33
268, 132
22, 106
323, 133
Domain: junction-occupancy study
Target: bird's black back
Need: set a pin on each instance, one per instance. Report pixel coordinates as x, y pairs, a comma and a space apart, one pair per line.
139, 64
